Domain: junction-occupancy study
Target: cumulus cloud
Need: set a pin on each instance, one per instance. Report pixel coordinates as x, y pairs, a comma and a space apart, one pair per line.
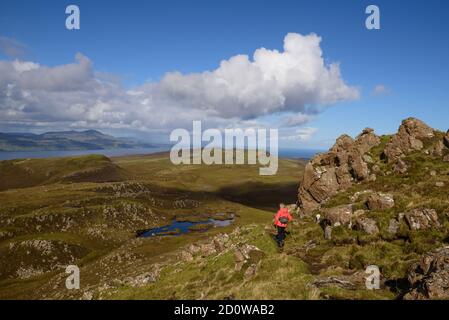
295, 81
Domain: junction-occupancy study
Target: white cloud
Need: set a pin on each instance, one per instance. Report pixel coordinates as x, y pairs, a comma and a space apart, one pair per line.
299, 135
241, 90
380, 90
297, 120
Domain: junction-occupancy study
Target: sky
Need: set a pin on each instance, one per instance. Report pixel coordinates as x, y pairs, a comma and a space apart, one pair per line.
143, 68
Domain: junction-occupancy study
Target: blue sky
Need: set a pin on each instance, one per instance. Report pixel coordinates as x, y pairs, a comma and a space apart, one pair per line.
140, 41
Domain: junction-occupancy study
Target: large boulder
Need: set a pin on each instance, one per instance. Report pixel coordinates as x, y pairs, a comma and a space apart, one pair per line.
339, 216
429, 278
419, 219
380, 201
409, 137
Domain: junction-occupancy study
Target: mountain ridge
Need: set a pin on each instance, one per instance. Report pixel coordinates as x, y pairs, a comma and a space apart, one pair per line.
66, 140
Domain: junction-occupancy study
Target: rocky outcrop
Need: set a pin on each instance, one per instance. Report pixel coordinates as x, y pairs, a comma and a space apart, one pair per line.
336, 170
367, 225
247, 255
429, 278
339, 216
37, 257
419, 219
380, 201
410, 137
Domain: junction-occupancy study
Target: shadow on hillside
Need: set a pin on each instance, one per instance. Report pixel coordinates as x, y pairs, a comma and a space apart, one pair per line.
260, 195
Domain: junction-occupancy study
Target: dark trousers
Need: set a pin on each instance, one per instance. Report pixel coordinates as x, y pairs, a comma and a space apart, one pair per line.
280, 237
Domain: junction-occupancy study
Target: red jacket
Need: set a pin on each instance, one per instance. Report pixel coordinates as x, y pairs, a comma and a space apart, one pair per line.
282, 213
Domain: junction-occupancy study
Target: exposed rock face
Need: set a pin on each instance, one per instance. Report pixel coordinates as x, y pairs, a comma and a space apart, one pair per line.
409, 137
336, 170
429, 278
419, 219
380, 201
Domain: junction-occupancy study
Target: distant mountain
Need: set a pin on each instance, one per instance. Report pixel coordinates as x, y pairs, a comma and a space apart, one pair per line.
66, 140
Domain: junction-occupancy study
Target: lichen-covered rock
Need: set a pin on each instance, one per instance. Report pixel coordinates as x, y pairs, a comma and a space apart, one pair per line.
380, 201
429, 278
340, 215
419, 219
367, 225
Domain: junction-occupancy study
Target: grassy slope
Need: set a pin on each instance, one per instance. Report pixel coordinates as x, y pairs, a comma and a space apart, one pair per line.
25, 173
51, 201
291, 274
238, 189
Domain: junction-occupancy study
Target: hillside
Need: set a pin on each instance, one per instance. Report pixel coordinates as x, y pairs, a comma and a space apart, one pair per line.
369, 200
26, 173
94, 224
65, 140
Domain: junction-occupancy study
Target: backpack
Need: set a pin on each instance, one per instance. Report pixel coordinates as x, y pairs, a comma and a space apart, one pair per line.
283, 219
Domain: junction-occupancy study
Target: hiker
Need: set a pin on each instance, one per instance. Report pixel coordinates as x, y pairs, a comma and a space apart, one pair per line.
281, 220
